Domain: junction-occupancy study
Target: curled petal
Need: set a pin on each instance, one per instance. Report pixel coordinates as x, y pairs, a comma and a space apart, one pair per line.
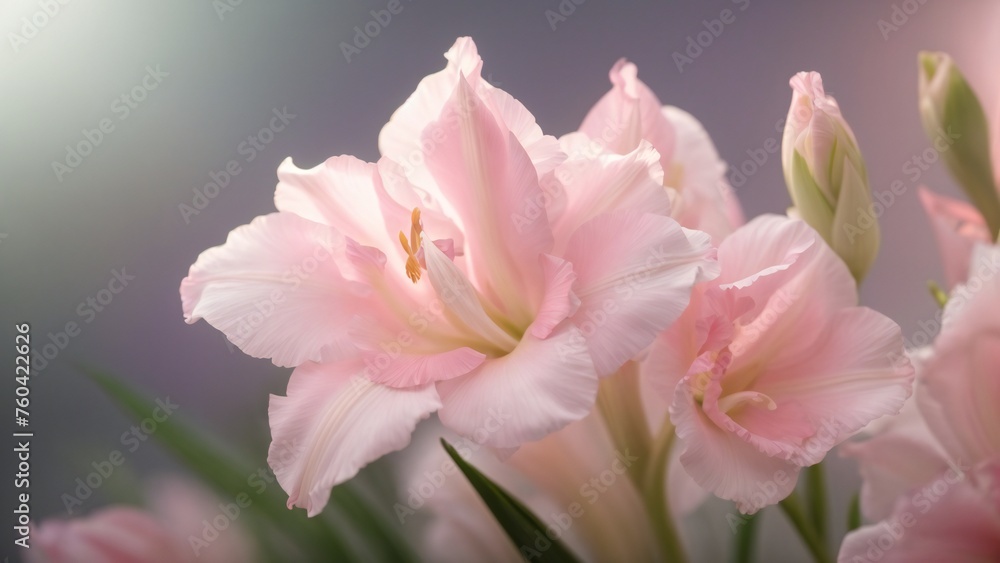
332, 423
401, 139
849, 376
340, 193
725, 464
629, 113
538, 388
559, 302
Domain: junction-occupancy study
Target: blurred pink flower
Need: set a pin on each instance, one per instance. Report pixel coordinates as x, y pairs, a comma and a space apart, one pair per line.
629, 114
446, 277
956, 518
170, 533
773, 363
952, 426
959, 389
109, 535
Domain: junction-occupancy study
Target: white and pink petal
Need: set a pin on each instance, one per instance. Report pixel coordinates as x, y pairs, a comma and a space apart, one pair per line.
282, 287
333, 422
635, 274
538, 388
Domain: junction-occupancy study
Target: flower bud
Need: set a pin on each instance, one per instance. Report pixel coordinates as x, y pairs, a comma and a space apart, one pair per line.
951, 113
826, 175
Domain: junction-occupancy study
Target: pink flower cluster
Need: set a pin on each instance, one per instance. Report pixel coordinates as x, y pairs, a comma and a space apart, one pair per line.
483, 267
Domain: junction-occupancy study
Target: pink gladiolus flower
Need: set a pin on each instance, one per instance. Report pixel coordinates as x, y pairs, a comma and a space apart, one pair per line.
629, 114
446, 278
953, 423
773, 363
948, 442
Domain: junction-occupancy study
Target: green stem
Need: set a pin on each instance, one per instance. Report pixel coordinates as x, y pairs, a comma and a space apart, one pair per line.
745, 539
655, 496
792, 507
854, 513
816, 494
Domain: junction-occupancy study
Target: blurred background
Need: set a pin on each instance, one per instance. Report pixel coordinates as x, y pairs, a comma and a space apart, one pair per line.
168, 93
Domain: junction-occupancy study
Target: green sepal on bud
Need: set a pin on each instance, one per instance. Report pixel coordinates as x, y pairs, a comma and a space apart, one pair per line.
949, 107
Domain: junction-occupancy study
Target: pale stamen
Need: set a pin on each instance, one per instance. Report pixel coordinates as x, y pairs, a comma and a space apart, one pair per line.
755, 399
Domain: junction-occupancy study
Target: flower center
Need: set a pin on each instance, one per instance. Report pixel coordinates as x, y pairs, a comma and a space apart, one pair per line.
412, 246
698, 385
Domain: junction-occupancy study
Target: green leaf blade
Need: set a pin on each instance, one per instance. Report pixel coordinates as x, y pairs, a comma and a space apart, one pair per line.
522, 527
